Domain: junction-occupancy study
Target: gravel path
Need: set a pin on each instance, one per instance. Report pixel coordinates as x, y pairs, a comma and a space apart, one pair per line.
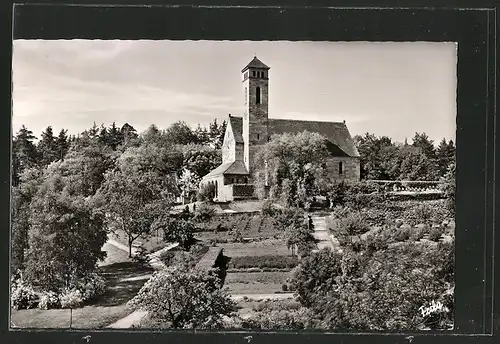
130, 320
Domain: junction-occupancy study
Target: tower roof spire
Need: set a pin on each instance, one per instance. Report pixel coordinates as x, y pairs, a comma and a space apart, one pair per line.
255, 63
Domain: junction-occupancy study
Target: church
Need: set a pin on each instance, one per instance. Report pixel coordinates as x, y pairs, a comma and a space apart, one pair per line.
232, 180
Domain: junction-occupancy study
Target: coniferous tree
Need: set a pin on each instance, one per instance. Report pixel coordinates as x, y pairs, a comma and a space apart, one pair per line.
445, 154
24, 153
129, 136
93, 131
114, 138
216, 133
62, 144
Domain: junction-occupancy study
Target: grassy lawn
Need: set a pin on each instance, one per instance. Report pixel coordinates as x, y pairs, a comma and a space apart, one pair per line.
98, 313
152, 243
255, 282
88, 317
258, 248
278, 277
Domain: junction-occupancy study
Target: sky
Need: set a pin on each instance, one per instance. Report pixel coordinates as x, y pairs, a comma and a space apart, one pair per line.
392, 89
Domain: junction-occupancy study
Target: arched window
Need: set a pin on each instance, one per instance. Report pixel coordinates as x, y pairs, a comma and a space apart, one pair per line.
216, 188
246, 180
341, 167
257, 95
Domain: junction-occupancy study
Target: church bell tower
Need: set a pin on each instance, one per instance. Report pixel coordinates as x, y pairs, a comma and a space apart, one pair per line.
255, 115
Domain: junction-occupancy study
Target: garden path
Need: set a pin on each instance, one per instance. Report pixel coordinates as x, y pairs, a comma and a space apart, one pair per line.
130, 320
322, 234
135, 317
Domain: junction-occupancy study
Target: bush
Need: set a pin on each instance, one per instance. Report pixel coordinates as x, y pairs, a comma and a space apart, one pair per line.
262, 262
300, 319
402, 234
49, 300
90, 286
71, 298
141, 256
166, 257
435, 233
204, 213
277, 305
23, 296
268, 208
354, 224
206, 193
185, 299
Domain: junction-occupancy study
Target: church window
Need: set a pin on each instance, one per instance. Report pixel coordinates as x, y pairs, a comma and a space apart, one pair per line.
341, 168
257, 95
253, 74
246, 180
246, 96
233, 180
258, 136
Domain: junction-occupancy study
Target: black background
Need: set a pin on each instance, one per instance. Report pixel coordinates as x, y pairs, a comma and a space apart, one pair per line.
473, 26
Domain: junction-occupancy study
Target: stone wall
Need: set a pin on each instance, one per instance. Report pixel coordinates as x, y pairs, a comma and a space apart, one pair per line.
350, 168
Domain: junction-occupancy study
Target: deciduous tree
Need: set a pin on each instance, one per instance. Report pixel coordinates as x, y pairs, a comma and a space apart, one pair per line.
185, 299
66, 235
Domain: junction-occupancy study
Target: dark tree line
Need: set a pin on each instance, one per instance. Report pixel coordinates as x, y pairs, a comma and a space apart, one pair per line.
28, 153
64, 181
384, 159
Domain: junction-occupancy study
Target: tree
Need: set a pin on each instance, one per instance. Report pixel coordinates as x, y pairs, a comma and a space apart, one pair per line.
415, 165
24, 153
62, 144
47, 147
139, 192
202, 135
85, 167
288, 169
426, 145
152, 135
129, 135
200, 160
185, 299
376, 154
180, 133
216, 133
30, 181
445, 155
114, 138
315, 275
66, 236
179, 228
448, 186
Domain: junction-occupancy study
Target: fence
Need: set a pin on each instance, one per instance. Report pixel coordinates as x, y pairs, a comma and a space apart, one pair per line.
409, 186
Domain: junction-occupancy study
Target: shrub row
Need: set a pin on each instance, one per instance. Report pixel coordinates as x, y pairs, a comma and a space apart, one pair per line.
24, 296
271, 261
